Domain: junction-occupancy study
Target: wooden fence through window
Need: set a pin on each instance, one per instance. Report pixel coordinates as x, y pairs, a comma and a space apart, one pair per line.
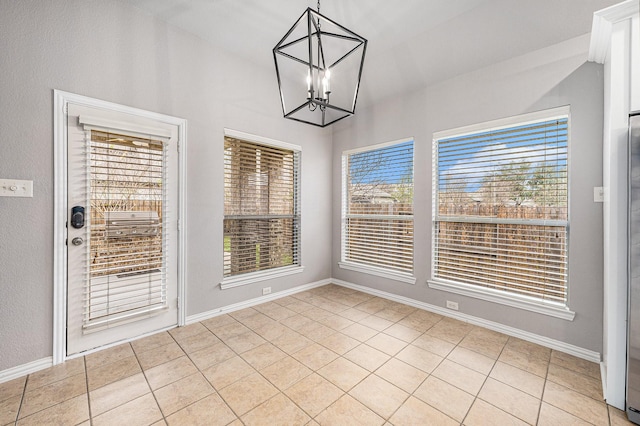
527, 259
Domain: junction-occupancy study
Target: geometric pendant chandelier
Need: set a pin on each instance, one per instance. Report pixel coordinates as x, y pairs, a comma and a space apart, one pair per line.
319, 66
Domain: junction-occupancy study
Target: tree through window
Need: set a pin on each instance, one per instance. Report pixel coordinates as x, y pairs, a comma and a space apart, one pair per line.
501, 208
378, 207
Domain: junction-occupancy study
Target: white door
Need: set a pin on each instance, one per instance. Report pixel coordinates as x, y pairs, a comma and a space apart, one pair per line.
122, 198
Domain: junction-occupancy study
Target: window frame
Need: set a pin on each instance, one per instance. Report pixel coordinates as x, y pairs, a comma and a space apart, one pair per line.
282, 271
352, 265
524, 302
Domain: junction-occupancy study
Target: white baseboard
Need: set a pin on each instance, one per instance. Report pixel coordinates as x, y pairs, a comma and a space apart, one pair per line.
252, 302
577, 351
24, 369
32, 367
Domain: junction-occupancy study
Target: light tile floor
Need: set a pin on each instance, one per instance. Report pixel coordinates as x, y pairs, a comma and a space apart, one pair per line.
329, 356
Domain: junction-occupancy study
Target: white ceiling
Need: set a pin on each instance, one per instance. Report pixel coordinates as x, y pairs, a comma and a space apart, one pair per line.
412, 43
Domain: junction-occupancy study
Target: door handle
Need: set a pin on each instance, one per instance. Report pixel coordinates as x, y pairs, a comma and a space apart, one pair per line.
77, 241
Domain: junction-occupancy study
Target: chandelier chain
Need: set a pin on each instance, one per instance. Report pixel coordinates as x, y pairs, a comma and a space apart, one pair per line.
319, 34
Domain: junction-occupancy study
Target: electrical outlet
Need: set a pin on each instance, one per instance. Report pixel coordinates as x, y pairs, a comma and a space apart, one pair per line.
452, 305
266, 290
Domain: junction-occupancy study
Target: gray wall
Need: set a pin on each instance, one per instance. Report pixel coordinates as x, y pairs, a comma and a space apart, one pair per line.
111, 51
108, 50
554, 77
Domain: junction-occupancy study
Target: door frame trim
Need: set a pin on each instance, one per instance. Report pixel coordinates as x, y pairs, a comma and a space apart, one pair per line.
60, 101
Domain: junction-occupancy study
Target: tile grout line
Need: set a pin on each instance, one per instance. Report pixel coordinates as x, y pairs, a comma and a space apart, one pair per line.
238, 417
232, 350
135, 354
330, 313
430, 374
24, 393
409, 394
378, 332
475, 398
544, 387
548, 364
342, 356
86, 377
216, 390
312, 371
547, 380
458, 345
280, 391
198, 370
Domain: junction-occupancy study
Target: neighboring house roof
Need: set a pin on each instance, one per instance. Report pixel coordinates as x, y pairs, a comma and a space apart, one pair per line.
371, 195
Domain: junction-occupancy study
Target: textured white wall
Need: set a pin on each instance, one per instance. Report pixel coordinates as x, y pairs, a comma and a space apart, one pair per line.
553, 77
109, 50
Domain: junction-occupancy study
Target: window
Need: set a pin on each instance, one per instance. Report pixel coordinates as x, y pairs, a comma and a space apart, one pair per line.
500, 220
261, 205
377, 210
128, 207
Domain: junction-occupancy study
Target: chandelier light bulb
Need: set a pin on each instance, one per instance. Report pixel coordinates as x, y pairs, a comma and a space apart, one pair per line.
327, 81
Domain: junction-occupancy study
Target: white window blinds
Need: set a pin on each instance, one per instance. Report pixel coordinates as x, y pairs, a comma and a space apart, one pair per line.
501, 211
261, 207
126, 261
378, 206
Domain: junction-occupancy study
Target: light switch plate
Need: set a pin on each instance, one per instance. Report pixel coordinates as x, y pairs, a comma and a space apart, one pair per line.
598, 194
16, 188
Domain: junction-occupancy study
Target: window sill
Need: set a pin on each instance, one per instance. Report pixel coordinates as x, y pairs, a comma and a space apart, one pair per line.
496, 296
380, 272
255, 277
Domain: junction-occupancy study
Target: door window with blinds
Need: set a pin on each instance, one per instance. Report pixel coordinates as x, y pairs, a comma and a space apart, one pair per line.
126, 256
261, 207
500, 220
377, 210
